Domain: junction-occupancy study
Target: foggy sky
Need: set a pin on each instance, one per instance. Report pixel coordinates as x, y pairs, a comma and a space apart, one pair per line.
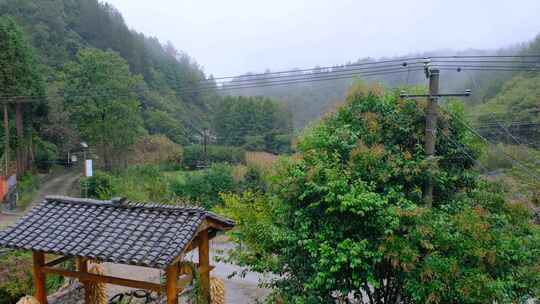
230, 37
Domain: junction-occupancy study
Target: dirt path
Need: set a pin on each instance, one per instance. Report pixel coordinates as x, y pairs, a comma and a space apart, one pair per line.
61, 184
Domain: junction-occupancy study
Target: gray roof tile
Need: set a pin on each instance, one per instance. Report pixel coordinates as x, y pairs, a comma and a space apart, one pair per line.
117, 231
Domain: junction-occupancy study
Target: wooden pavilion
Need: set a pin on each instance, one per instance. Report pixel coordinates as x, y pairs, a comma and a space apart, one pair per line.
116, 231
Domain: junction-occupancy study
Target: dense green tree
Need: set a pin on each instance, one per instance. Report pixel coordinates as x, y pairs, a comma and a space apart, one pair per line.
100, 95
255, 122
344, 219
20, 78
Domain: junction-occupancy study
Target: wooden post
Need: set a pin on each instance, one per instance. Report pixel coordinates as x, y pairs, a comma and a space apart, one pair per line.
204, 264
431, 130
39, 277
82, 266
171, 284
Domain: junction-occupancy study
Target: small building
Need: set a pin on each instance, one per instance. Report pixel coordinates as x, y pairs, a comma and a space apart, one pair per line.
117, 231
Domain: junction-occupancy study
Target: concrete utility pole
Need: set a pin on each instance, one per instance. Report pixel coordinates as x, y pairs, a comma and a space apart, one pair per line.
431, 129
431, 124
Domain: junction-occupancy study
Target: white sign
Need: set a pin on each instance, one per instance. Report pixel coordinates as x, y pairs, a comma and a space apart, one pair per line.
88, 168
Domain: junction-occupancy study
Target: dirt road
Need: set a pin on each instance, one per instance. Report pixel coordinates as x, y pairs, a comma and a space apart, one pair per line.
60, 184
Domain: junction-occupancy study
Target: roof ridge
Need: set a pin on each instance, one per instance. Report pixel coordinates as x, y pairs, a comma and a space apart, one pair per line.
77, 200
124, 203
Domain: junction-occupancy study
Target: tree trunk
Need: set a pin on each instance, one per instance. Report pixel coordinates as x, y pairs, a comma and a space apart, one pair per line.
20, 139
6, 139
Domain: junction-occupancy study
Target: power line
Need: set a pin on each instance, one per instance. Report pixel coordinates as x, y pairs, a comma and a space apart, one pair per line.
339, 72
485, 56
315, 79
307, 79
351, 67
510, 157
401, 60
461, 147
459, 69
292, 75
16, 99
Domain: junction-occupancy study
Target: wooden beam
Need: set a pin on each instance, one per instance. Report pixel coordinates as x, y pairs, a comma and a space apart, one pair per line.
186, 269
105, 279
205, 225
192, 245
82, 267
39, 276
217, 225
184, 281
57, 261
204, 265
172, 284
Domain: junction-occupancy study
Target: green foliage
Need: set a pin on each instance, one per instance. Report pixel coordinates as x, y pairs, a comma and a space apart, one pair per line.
346, 216
253, 180
99, 186
156, 150
99, 92
27, 186
194, 155
501, 162
517, 102
137, 183
19, 75
16, 277
254, 122
204, 187
161, 122
46, 154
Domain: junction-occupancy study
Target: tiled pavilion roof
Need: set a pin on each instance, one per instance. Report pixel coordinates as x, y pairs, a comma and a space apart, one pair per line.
115, 231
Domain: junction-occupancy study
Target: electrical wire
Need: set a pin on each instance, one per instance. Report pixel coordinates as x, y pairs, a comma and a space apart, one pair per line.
401, 60
461, 147
337, 72
509, 157
247, 78
15, 99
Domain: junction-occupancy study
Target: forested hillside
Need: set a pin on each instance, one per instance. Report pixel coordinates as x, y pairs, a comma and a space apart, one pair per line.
514, 104
60, 32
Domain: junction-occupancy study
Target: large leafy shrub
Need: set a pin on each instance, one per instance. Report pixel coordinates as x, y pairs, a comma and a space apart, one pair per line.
204, 187
138, 183
345, 220
156, 150
100, 185
195, 155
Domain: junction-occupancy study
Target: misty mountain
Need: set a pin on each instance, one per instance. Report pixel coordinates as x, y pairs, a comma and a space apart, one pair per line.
309, 100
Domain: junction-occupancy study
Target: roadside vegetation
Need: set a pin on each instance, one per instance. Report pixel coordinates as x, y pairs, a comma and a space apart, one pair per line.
16, 277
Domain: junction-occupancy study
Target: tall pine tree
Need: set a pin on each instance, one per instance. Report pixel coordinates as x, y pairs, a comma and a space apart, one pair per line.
19, 79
